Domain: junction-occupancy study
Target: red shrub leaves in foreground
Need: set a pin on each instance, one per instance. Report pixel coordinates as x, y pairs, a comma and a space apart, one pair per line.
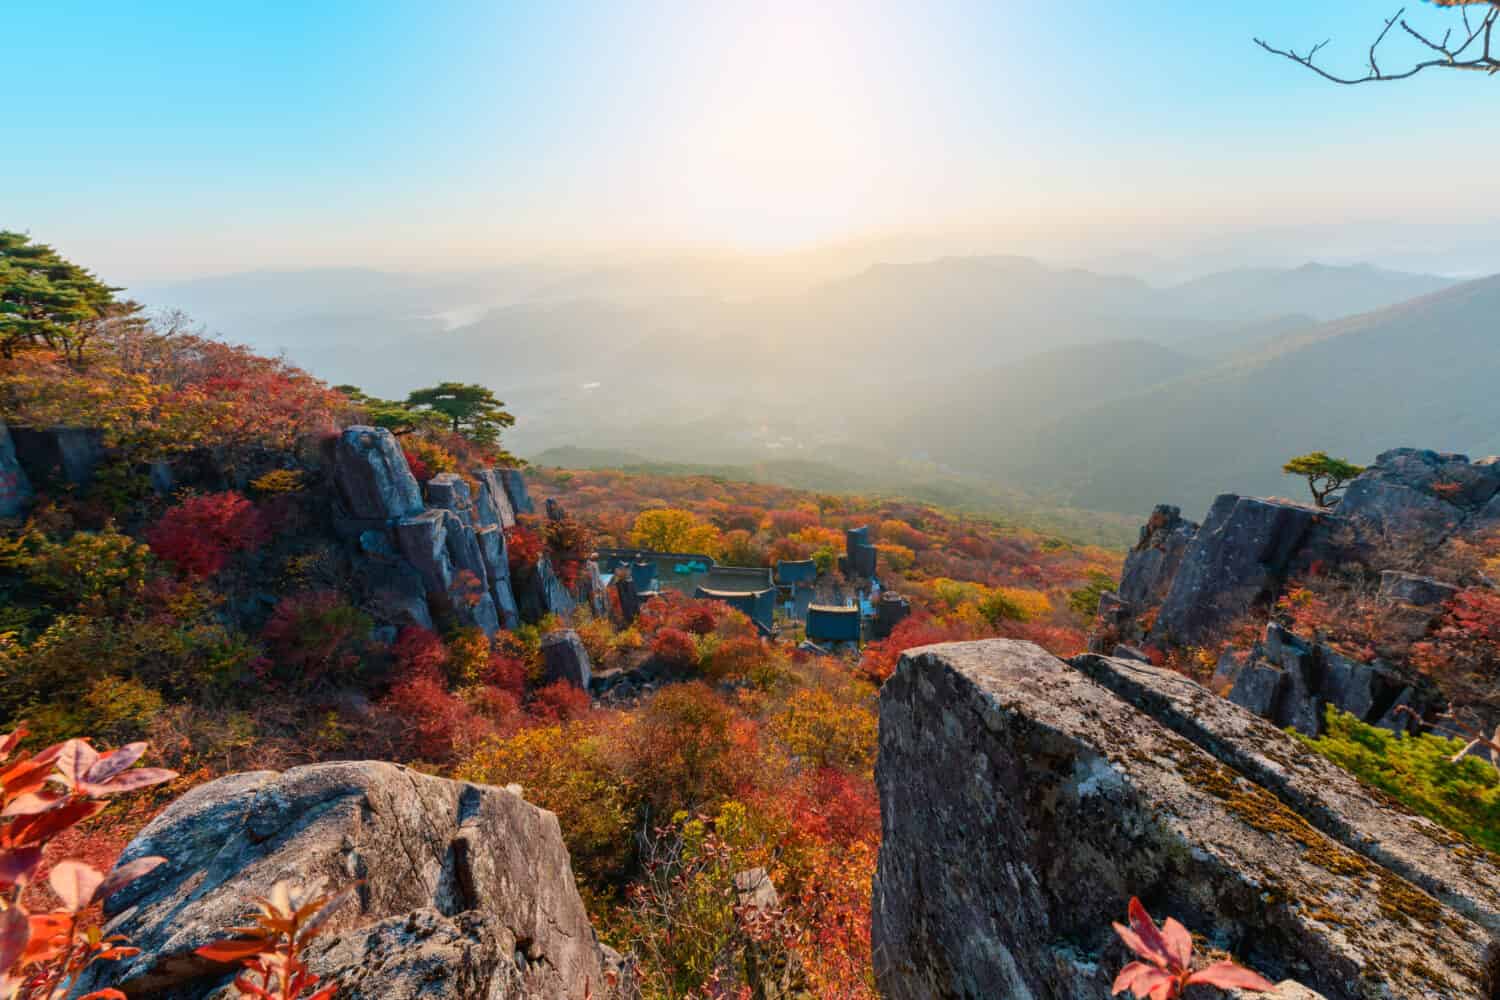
560, 702
42, 954
271, 951
1168, 966
199, 535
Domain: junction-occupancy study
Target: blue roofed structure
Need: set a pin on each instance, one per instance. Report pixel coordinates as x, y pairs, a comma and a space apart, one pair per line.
827, 623
758, 605
792, 572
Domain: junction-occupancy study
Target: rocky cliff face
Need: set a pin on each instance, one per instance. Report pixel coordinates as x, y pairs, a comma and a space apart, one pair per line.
447, 554
465, 891
1023, 803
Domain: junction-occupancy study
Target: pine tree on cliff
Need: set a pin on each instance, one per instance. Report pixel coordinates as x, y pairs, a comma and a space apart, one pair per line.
472, 410
1325, 476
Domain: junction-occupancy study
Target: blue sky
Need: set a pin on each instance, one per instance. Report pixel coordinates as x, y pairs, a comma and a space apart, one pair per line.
168, 139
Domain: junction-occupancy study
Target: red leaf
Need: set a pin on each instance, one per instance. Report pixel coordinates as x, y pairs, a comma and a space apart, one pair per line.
1147, 934
232, 951
126, 874
109, 994
1141, 978
75, 884
16, 867
74, 761
1179, 945
129, 781
1227, 975
15, 933
114, 762
29, 830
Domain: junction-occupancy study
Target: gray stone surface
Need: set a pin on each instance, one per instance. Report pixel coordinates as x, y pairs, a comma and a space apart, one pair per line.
372, 477
1291, 682
514, 482
1451, 869
1152, 563
492, 506
1418, 591
446, 553
1236, 560
449, 491
466, 889
564, 658
491, 541
15, 485
540, 593
1022, 805
62, 455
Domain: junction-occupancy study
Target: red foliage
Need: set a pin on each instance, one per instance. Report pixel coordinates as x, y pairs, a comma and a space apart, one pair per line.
419, 652
45, 796
507, 673
1168, 968
880, 658
199, 535
312, 635
836, 806
560, 702
523, 547
419, 469
675, 648
1475, 613
436, 724
789, 522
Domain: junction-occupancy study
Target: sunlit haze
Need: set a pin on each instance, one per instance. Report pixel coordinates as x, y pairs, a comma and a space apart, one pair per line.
181, 141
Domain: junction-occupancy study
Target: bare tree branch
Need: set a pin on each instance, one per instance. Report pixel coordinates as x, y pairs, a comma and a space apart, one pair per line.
1471, 51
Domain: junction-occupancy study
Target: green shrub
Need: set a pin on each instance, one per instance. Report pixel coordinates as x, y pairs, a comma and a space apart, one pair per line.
1419, 771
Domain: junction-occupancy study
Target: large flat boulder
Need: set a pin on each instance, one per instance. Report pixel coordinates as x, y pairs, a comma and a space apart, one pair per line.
465, 890
1023, 804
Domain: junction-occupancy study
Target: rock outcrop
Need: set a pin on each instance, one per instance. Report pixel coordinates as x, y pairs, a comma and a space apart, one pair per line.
446, 557
564, 658
1190, 582
465, 891
1151, 565
1292, 682
15, 485
1421, 497
372, 477
492, 506
1235, 561
1023, 804
515, 490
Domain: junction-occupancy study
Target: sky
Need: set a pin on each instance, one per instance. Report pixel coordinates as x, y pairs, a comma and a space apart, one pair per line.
172, 139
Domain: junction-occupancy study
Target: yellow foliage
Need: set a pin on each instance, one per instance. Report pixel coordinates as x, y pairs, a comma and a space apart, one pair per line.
277, 481
825, 731
669, 529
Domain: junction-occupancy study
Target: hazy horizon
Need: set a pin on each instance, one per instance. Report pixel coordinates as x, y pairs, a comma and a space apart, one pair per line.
463, 137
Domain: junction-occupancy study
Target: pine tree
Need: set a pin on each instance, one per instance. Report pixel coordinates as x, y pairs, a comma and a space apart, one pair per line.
472, 410
47, 300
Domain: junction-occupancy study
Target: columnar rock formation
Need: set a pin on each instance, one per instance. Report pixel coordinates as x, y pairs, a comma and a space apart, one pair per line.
464, 891
450, 554
1023, 803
